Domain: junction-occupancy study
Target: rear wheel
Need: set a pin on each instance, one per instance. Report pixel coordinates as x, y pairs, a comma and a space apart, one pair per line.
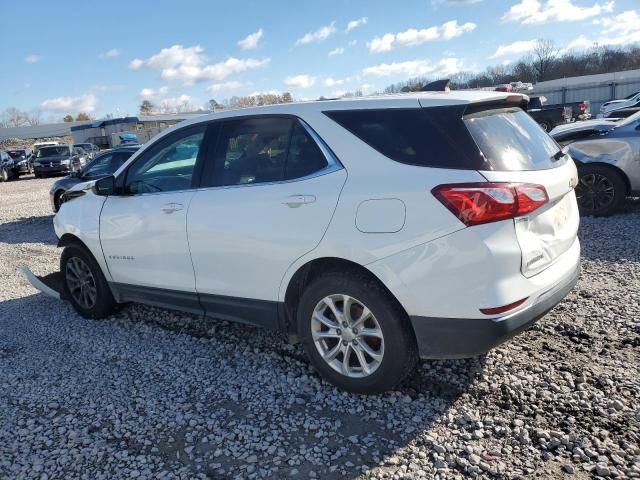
355, 333
4, 175
600, 190
84, 284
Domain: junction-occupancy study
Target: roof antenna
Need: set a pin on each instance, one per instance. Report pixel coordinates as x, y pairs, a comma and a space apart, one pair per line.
437, 86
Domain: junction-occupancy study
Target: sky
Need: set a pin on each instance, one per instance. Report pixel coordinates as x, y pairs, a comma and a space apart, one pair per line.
107, 57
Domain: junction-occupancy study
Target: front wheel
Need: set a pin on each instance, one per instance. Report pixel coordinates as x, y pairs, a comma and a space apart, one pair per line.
600, 190
4, 175
84, 284
355, 333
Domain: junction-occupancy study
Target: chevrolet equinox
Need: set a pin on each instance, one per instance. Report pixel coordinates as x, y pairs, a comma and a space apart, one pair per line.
377, 231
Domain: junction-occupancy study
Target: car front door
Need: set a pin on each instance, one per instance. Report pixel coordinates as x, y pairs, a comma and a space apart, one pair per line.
272, 195
143, 228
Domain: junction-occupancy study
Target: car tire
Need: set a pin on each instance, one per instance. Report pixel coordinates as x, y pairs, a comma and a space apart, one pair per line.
601, 190
546, 126
4, 175
394, 339
84, 284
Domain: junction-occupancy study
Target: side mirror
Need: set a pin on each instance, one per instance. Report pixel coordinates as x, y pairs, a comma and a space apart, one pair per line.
105, 186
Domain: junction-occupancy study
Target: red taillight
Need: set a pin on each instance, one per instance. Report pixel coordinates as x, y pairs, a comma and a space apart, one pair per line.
477, 203
504, 308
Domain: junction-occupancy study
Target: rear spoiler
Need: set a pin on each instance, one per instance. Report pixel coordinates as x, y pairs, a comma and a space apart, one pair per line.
514, 100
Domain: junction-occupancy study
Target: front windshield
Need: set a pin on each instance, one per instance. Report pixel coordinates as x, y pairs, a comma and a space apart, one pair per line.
629, 120
53, 151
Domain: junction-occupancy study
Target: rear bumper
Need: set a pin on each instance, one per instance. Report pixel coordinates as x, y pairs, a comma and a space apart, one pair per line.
468, 337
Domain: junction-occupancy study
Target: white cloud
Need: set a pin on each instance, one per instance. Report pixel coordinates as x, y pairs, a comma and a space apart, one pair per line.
83, 103
320, 34
456, 2
33, 58
626, 23
250, 41
265, 92
532, 12
182, 103
356, 23
622, 29
382, 44
219, 87
412, 37
330, 82
113, 53
187, 64
300, 81
153, 93
515, 48
414, 68
336, 51
353, 43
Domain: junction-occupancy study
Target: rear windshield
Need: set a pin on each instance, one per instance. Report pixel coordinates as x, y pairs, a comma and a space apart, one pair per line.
511, 140
446, 137
16, 153
53, 151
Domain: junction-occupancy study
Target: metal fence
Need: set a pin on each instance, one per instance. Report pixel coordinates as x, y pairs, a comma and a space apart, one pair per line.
596, 93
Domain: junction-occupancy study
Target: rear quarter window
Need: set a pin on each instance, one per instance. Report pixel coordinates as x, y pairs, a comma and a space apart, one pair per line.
476, 137
428, 137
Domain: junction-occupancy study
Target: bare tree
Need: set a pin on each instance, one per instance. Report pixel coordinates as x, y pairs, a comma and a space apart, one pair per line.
544, 53
146, 107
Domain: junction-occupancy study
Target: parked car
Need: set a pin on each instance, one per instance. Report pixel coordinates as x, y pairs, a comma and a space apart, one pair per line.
622, 113
504, 87
607, 153
23, 160
630, 101
102, 165
375, 230
58, 159
6, 166
91, 149
39, 145
521, 86
547, 117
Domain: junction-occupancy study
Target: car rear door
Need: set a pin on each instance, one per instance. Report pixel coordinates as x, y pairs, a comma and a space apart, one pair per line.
270, 198
143, 229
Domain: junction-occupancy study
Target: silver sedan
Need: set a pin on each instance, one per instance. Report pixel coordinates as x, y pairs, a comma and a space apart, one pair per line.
607, 153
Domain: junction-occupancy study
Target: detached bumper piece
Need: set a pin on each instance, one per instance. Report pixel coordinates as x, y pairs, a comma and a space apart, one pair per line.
50, 285
440, 338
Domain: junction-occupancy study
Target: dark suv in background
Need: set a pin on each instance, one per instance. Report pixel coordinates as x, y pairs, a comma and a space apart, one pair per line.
102, 165
58, 159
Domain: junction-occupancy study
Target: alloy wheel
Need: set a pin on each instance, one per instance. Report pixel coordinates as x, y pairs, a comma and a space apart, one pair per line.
81, 283
347, 335
595, 192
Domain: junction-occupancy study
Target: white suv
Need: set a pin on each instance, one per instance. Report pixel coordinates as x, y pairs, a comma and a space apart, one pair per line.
375, 230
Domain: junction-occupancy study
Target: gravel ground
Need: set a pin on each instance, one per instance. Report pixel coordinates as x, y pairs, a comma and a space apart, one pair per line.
153, 394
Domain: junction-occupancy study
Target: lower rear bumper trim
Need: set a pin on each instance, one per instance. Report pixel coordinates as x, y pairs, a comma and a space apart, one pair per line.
440, 338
